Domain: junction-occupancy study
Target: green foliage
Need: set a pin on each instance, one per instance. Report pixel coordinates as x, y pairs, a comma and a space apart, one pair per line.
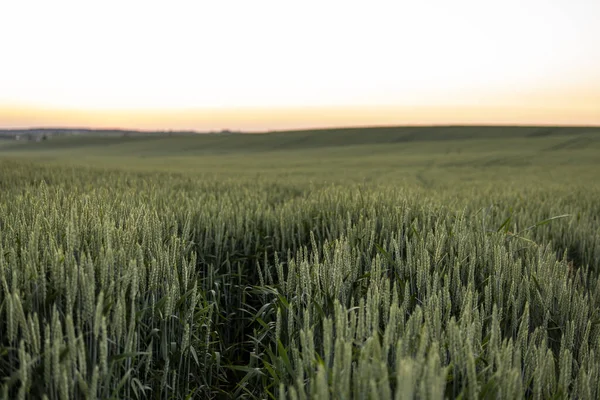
313, 280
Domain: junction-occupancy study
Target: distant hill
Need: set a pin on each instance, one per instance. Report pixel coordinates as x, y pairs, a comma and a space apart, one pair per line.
91, 141
357, 135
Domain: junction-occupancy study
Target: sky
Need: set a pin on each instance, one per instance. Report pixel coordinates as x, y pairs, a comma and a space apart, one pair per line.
271, 65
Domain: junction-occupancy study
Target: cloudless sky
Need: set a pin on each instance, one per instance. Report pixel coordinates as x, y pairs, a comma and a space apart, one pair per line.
283, 64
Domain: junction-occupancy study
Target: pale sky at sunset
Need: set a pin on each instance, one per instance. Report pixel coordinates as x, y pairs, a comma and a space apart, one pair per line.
262, 65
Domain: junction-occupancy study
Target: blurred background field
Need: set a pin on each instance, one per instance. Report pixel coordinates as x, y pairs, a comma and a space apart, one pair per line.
425, 155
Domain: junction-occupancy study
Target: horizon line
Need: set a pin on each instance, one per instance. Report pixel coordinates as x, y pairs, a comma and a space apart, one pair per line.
315, 128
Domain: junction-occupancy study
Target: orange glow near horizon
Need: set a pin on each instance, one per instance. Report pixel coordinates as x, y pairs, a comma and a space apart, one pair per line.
269, 119
270, 65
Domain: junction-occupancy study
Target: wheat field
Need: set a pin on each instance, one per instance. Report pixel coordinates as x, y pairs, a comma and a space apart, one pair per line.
425, 264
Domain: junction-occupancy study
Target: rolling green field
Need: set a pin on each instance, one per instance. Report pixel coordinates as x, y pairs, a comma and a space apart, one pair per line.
430, 263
